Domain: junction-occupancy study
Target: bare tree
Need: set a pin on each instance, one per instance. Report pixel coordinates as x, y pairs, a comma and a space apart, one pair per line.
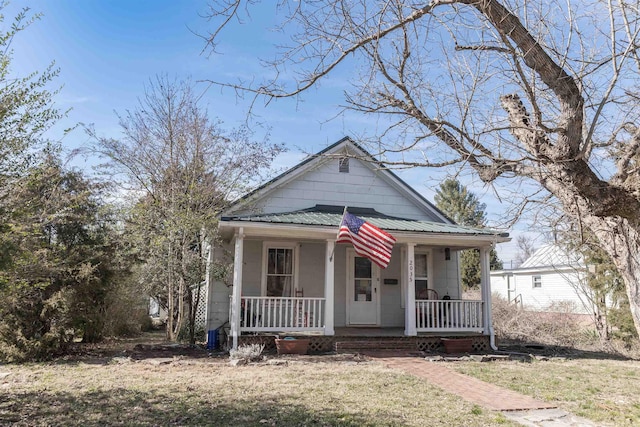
541, 94
525, 249
183, 169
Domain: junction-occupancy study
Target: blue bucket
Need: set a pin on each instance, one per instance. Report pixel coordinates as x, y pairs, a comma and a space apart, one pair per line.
212, 339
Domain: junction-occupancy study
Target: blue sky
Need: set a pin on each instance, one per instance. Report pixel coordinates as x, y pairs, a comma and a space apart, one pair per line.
108, 50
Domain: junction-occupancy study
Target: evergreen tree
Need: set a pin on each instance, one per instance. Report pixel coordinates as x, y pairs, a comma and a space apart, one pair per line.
57, 251
56, 283
26, 113
464, 208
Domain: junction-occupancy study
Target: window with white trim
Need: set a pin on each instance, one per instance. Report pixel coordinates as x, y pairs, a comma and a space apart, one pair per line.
537, 281
279, 271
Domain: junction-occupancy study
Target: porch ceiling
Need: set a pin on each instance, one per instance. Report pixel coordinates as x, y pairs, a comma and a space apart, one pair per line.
322, 219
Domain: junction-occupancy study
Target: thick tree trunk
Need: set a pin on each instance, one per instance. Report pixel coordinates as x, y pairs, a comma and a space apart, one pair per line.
621, 241
619, 237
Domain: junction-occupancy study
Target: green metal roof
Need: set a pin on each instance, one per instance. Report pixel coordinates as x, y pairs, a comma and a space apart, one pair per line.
321, 216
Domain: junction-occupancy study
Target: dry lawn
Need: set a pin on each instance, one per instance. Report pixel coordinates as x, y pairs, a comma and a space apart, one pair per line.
606, 391
99, 391
117, 385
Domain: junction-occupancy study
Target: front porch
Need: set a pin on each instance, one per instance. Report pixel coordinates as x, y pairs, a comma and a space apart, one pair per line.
307, 315
391, 297
290, 277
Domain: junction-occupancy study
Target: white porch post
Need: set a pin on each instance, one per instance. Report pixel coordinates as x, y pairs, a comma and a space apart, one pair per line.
329, 284
236, 295
485, 286
410, 306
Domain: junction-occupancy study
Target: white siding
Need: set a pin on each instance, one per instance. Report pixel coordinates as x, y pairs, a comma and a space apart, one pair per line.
340, 289
558, 290
499, 285
391, 312
218, 300
361, 187
311, 275
252, 268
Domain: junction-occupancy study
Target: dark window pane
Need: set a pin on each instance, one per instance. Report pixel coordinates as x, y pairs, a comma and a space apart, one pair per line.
271, 262
362, 267
279, 286
421, 289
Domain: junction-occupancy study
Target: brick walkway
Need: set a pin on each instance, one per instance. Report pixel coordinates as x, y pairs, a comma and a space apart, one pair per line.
471, 389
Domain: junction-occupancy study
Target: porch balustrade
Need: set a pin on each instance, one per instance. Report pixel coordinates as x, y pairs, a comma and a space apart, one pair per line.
449, 316
274, 314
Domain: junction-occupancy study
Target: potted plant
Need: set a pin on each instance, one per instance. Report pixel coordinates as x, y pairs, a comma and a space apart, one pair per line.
292, 345
457, 345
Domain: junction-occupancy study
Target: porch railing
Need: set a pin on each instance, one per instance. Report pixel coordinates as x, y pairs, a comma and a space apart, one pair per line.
269, 314
449, 316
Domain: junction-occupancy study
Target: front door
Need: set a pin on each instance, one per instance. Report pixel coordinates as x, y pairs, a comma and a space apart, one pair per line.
363, 291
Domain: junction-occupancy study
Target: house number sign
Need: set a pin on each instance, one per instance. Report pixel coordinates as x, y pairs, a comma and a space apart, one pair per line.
410, 270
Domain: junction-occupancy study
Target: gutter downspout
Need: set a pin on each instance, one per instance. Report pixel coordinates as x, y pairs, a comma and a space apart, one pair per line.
485, 283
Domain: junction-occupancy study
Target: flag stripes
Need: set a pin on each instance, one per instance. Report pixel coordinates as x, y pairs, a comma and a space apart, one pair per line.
368, 240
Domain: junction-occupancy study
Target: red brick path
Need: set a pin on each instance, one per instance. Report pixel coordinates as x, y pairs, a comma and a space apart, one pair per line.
471, 389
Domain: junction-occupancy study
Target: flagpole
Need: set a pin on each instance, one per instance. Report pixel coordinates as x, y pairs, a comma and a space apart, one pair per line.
339, 226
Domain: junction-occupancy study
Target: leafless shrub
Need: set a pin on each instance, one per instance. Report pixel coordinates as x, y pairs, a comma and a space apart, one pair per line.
249, 353
558, 326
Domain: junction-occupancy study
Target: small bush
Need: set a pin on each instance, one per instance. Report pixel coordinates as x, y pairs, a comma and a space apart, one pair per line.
33, 326
249, 353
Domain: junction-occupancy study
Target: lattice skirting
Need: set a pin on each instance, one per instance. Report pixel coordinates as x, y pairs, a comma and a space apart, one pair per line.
327, 344
201, 313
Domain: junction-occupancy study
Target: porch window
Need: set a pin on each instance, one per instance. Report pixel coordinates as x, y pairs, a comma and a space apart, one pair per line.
363, 281
421, 277
279, 272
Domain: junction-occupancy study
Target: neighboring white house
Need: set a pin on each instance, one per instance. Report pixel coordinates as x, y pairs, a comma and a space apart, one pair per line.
290, 276
550, 279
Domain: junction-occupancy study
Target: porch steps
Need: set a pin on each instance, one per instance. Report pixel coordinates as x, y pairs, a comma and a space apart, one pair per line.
353, 346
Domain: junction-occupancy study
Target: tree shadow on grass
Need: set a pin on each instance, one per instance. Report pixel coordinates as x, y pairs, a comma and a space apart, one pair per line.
541, 350
130, 407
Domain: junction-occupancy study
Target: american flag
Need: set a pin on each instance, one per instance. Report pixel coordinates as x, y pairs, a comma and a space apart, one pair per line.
368, 240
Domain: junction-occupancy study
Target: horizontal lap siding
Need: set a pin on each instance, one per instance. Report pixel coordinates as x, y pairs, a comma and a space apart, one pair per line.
218, 298
340, 290
392, 314
499, 285
361, 187
252, 268
311, 277
556, 288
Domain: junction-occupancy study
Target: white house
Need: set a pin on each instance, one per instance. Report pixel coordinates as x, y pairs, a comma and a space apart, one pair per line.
289, 276
549, 280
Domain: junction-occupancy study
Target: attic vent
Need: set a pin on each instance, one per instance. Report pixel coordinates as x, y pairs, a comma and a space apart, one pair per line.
344, 165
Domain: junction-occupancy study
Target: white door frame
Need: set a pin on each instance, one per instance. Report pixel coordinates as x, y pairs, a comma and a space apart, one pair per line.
375, 282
